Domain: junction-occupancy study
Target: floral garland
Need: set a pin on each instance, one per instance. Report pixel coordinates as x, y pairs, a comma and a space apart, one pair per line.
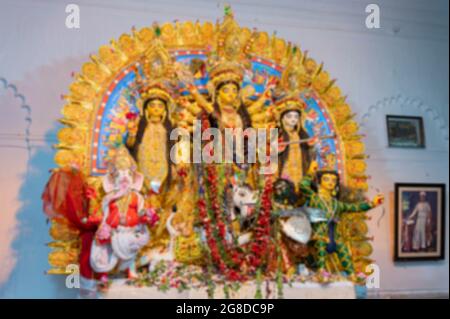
260, 244
231, 260
227, 259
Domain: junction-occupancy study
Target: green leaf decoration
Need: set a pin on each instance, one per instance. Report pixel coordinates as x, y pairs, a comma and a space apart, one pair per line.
157, 31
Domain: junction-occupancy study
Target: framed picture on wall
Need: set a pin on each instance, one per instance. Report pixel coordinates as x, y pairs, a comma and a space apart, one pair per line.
419, 222
405, 131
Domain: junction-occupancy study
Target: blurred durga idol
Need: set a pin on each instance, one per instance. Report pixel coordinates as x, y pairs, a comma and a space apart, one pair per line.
129, 202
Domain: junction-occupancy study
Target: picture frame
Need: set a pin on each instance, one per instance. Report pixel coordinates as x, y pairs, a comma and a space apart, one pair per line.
419, 221
405, 131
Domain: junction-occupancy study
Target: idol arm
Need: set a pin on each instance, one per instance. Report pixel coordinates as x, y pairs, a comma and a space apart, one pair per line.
259, 103
363, 206
201, 100
306, 186
130, 141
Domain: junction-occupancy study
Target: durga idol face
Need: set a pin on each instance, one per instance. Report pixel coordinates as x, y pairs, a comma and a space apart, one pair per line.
155, 110
291, 119
228, 95
328, 182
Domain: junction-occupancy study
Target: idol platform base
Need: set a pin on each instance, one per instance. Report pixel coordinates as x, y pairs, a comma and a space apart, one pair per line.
307, 290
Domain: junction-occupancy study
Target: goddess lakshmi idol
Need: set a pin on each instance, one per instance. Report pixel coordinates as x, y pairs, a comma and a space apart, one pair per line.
168, 180
148, 135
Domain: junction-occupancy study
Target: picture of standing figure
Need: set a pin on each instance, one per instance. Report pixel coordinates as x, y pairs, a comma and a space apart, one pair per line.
422, 217
419, 216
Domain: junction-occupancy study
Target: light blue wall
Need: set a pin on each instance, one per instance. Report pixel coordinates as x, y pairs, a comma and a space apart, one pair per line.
28, 278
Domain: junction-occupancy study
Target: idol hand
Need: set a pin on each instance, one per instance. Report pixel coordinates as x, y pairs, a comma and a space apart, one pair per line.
272, 83
183, 74
378, 200
313, 140
313, 167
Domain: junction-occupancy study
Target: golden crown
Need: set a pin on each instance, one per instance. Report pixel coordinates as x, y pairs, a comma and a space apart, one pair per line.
225, 64
121, 160
157, 71
226, 72
156, 91
329, 163
289, 103
290, 79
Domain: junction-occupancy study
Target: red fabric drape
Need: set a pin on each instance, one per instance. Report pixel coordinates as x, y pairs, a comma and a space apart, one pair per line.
66, 195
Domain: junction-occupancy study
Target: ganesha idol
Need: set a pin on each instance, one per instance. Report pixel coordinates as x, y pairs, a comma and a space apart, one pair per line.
123, 230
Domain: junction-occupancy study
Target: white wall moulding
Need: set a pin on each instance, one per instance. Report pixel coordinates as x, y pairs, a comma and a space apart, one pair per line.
400, 104
408, 103
17, 140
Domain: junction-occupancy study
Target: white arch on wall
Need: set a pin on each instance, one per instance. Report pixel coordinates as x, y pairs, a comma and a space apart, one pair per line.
407, 102
24, 106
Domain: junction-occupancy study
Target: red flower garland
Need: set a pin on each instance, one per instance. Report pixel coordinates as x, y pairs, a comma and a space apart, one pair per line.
258, 246
220, 227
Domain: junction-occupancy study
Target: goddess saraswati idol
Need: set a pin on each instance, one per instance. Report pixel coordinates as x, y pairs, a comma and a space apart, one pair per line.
196, 224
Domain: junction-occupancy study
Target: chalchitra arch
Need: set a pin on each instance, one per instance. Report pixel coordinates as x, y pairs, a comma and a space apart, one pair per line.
108, 95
